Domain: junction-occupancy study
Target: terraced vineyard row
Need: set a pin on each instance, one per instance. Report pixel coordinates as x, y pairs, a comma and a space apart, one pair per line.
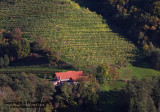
81, 35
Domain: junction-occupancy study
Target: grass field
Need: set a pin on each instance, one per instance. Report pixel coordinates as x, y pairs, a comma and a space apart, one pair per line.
139, 72
133, 71
79, 34
142, 72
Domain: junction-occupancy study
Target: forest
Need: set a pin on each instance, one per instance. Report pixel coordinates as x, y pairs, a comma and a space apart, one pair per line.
28, 93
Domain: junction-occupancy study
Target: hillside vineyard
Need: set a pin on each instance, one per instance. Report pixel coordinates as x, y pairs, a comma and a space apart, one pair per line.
79, 34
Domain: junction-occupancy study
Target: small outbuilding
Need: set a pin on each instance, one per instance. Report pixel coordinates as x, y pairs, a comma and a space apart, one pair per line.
69, 77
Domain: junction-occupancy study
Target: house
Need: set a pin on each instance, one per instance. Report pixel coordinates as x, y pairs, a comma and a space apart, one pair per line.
69, 77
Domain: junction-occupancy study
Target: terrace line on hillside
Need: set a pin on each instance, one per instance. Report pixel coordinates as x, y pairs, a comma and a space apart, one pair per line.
82, 36
68, 77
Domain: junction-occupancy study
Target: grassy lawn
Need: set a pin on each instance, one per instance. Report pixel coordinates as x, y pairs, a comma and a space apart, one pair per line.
141, 72
144, 72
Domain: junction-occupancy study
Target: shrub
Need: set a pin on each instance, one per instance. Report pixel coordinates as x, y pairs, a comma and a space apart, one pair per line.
105, 71
51, 55
38, 45
16, 34
114, 73
145, 47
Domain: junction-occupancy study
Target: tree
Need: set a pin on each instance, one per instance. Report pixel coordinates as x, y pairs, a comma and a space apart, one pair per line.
15, 49
66, 95
6, 60
139, 92
44, 92
5, 80
26, 88
156, 92
87, 93
102, 73
48, 108
1, 62
154, 58
82, 96
25, 48
156, 8
22, 90
19, 49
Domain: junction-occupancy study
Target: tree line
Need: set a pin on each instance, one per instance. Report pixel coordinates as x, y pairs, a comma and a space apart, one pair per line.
25, 88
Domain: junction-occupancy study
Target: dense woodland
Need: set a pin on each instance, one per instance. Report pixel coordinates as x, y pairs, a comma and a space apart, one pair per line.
138, 96
139, 21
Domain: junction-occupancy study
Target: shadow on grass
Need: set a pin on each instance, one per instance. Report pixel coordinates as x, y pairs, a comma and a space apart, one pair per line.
113, 101
30, 61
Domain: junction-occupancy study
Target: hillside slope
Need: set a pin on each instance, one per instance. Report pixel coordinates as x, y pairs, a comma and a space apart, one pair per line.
81, 35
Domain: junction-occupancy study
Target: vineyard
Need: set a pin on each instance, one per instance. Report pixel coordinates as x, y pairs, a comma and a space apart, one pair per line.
80, 35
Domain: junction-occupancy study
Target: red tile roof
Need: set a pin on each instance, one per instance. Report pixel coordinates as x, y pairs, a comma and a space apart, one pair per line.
75, 75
